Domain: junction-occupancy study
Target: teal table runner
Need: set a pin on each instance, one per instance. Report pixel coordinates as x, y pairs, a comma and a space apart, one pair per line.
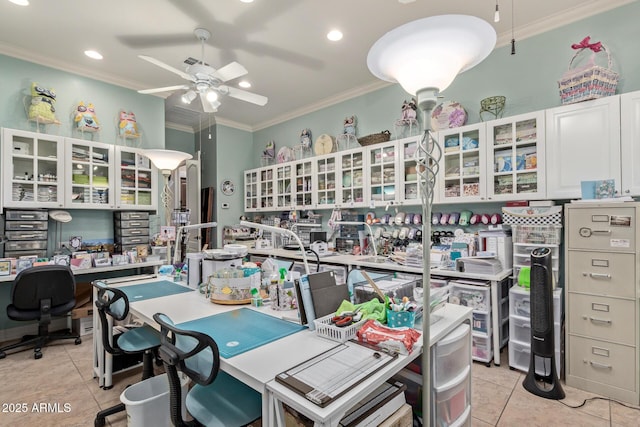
241, 330
150, 290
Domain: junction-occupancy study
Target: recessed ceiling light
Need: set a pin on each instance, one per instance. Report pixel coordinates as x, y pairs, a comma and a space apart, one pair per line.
246, 1
245, 84
334, 35
20, 2
93, 54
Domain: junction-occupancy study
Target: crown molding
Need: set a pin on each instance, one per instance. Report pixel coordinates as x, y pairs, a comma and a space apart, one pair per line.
233, 124
179, 127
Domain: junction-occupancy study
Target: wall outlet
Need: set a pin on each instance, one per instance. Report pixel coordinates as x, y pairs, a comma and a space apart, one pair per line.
225, 206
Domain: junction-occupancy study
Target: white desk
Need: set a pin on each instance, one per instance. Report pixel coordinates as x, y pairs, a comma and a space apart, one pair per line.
107, 268
258, 367
358, 261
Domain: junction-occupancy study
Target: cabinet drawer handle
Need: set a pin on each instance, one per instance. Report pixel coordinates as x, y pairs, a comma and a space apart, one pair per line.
599, 365
601, 231
30, 227
596, 320
599, 275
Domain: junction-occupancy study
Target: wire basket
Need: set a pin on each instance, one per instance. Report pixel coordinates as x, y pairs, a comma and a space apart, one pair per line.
375, 138
591, 81
538, 234
326, 329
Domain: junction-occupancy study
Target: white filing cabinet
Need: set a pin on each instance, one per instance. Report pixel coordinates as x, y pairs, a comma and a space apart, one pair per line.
602, 302
520, 330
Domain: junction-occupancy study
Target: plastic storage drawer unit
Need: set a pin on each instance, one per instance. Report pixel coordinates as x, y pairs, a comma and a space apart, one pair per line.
452, 355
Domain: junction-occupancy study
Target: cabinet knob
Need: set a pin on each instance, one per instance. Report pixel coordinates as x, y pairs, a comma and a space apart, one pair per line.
481, 198
627, 191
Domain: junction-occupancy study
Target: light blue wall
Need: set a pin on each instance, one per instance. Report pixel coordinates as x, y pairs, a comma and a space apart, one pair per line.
180, 141
528, 80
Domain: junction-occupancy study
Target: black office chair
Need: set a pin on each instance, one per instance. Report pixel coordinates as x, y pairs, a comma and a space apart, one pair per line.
217, 399
40, 293
139, 340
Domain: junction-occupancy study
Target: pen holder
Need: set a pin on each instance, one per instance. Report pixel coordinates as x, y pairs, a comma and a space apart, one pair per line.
282, 298
399, 319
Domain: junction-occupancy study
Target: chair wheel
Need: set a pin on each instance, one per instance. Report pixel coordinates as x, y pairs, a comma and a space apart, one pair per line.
3, 354
37, 355
78, 341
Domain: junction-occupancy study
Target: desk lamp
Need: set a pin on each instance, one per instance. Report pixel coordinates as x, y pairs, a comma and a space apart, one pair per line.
424, 57
59, 217
373, 240
281, 231
177, 255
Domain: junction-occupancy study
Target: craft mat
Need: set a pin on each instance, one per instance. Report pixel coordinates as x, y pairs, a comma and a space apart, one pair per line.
150, 290
241, 330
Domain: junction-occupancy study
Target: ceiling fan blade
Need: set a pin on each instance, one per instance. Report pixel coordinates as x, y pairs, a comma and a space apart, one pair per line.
229, 72
163, 89
209, 107
245, 96
166, 67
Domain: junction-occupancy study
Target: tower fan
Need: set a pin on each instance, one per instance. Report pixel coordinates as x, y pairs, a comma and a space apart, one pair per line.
542, 378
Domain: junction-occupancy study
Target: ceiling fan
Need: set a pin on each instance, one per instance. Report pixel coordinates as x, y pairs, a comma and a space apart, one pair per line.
205, 80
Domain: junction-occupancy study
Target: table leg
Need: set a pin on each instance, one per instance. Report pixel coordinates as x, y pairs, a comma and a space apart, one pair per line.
495, 320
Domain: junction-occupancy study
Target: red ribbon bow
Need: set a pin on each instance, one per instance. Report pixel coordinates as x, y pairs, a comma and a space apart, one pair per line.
584, 44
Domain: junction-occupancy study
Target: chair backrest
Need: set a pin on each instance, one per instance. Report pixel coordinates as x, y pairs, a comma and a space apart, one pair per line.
194, 353
114, 303
35, 284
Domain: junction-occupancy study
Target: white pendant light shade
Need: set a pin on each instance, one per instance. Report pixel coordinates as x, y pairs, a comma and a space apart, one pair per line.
166, 160
431, 52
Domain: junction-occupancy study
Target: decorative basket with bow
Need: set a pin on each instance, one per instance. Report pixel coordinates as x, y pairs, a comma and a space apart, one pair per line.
589, 81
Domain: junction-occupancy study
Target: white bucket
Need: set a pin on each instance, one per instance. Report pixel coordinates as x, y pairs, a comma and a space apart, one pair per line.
147, 402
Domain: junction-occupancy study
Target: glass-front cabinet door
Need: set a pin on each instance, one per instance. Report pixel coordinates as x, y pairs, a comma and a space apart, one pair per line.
251, 190
410, 180
326, 182
304, 179
284, 192
463, 164
89, 174
32, 170
383, 182
352, 168
136, 183
516, 151
267, 192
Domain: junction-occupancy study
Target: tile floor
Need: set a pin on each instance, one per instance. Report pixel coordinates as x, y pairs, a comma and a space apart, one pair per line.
64, 376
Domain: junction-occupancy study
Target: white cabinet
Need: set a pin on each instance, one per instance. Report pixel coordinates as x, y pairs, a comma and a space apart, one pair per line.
630, 143
410, 186
463, 166
326, 179
583, 144
382, 178
516, 158
266, 192
32, 170
136, 182
251, 190
352, 179
89, 174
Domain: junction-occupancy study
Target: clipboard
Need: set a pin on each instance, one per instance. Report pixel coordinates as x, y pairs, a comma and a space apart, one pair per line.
326, 377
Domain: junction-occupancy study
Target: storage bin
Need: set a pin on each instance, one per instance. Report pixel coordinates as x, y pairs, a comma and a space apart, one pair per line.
520, 302
475, 297
452, 404
326, 329
482, 323
400, 319
452, 355
481, 348
391, 287
520, 356
147, 402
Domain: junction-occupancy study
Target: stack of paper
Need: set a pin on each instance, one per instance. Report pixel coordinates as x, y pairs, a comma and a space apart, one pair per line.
473, 265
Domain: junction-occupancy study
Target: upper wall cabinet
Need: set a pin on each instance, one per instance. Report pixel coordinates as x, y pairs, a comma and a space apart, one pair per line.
463, 167
266, 191
326, 187
383, 174
32, 169
251, 190
284, 189
352, 175
89, 174
409, 178
583, 143
304, 182
136, 186
516, 158
630, 143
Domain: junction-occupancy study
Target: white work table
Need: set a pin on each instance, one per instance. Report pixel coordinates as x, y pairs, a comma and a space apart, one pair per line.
351, 261
259, 367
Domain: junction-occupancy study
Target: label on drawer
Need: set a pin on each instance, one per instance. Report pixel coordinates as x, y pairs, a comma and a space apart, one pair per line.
620, 220
620, 243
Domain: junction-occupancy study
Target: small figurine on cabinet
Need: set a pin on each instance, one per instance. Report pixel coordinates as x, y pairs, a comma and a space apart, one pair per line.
349, 125
409, 111
85, 118
270, 150
42, 108
128, 125
305, 139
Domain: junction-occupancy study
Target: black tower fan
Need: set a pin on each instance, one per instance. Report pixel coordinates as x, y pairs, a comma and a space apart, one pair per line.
542, 378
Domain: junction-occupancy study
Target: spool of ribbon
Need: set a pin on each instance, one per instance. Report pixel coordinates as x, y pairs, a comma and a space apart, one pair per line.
584, 44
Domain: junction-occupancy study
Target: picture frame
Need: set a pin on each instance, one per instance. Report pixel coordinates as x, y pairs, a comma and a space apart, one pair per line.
24, 263
143, 251
5, 267
119, 260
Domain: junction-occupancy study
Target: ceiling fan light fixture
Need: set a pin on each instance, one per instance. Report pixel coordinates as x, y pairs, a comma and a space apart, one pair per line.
187, 97
20, 2
93, 54
246, 1
212, 96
